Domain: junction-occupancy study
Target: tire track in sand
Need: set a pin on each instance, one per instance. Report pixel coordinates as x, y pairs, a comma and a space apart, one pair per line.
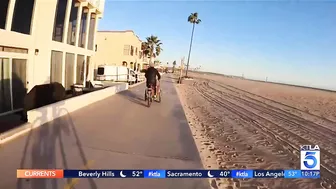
310, 134
279, 128
253, 97
285, 107
253, 120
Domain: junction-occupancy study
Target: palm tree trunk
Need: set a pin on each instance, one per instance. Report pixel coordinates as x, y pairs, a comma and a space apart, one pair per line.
191, 40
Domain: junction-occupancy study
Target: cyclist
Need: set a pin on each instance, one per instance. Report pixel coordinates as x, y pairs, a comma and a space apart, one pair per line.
151, 74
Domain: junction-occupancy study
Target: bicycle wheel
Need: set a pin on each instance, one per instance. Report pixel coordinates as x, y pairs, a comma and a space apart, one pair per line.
149, 99
159, 96
145, 95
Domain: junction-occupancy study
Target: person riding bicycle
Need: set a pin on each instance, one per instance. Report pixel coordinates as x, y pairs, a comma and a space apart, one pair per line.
151, 74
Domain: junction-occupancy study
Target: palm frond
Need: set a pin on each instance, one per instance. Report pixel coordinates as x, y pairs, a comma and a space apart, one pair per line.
193, 18
158, 50
152, 46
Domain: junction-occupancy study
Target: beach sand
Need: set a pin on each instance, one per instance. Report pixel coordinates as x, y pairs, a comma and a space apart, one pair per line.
243, 124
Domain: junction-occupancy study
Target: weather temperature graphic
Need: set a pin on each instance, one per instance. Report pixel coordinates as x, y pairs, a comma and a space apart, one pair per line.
309, 161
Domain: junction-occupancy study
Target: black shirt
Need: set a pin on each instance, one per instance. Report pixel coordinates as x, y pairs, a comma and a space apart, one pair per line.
151, 74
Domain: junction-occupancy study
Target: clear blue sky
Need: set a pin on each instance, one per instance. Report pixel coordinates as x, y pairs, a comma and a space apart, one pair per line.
292, 42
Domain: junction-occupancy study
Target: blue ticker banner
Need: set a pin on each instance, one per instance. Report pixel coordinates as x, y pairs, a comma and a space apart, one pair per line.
103, 173
160, 174
187, 174
198, 174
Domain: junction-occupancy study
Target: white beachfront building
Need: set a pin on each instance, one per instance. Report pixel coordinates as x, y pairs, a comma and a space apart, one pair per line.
43, 41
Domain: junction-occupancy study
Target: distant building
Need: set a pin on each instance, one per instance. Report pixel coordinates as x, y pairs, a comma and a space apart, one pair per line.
120, 48
43, 41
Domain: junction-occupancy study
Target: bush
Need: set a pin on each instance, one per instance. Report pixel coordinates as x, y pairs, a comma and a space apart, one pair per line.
42, 95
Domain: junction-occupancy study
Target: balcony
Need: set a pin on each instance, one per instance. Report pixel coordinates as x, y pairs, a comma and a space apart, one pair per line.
98, 4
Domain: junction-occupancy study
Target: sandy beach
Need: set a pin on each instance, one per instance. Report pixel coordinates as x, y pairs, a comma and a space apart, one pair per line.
242, 124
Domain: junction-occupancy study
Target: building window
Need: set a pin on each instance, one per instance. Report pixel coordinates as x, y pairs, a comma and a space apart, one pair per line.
19, 81
88, 61
69, 70
59, 20
136, 51
12, 84
92, 31
132, 50
56, 67
71, 39
140, 54
126, 49
3, 13
22, 17
5, 90
82, 32
80, 69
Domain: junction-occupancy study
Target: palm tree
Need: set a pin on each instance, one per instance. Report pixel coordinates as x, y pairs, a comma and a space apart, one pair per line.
193, 19
153, 47
145, 50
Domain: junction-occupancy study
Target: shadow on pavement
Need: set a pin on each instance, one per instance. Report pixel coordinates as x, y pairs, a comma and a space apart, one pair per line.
42, 143
188, 144
170, 76
133, 97
168, 81
83, 157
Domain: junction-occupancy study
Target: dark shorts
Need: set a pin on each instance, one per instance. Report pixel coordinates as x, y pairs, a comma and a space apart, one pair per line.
150, 83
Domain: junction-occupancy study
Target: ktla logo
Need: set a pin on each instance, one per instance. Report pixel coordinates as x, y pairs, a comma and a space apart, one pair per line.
310, 157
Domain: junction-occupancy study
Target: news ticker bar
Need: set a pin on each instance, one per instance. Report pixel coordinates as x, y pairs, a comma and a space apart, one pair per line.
157, 174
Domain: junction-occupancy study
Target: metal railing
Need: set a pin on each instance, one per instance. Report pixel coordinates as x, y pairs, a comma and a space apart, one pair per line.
117, 77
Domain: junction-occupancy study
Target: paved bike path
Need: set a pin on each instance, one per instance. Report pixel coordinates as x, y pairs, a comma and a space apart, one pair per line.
119, 132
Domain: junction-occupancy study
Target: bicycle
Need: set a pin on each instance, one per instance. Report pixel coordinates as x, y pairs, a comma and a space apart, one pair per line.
149, 94
159, 92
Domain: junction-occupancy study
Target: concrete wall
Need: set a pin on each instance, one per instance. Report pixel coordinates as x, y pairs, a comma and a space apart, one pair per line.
38, 117
50, 112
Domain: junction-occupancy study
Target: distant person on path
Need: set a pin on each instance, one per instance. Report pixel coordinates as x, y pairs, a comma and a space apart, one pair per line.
151, 74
